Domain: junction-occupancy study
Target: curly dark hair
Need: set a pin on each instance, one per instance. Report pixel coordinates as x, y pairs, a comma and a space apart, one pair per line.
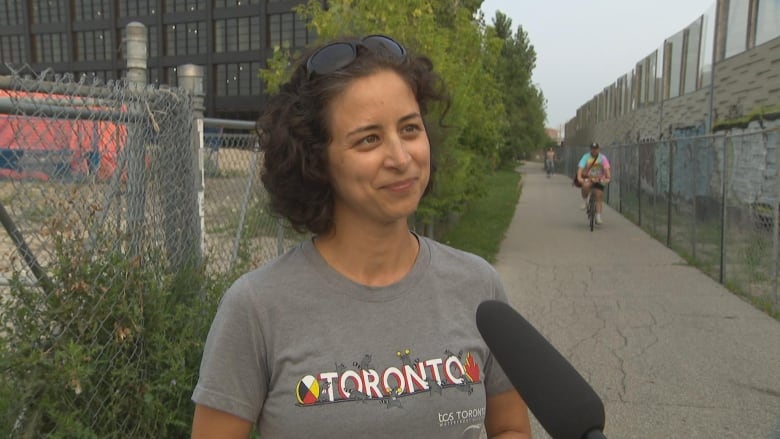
294, 133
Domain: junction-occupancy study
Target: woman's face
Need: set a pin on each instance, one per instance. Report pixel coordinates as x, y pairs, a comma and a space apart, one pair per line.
379, 156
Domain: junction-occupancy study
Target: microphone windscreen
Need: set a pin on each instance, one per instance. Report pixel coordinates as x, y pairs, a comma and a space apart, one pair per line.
560, 399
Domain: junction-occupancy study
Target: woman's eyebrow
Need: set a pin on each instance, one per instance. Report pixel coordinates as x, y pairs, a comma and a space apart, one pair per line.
371, 127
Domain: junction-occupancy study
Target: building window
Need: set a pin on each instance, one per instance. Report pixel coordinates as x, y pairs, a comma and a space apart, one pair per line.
691, 56
94, 45
768, 22
91, 9
154, 76
50, 47
10, 13
238, 79
641, 81
287, 30
99, 77
737, 27
185, 38
171, 76
48, 11
221, 4
12, 48
138, 8
652, 78
237, 34
154, 44
707, 46
675, 49
301, 32
184, 5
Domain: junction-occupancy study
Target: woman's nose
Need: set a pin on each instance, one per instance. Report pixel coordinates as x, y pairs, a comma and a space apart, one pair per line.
397, 155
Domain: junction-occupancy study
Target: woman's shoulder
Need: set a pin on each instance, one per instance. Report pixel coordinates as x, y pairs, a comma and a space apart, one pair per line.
461, 271
271, 276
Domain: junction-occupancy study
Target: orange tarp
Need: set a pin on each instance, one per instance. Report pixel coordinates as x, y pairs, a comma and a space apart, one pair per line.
86, 146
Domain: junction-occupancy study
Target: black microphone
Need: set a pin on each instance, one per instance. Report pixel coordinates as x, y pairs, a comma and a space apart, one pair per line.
557, 395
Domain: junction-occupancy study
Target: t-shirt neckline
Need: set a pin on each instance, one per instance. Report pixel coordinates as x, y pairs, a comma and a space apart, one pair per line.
367, 293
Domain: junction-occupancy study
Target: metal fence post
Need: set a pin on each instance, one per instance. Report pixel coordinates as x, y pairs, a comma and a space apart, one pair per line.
136, 178
723, 215
654, 202
190, 78
694, 195
672, 144
775, 221
638, 186
623, 165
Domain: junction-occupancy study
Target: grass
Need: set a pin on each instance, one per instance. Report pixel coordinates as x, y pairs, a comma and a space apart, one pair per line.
483, 226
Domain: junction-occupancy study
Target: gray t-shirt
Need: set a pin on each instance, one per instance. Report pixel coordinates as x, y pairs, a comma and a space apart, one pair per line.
304, 352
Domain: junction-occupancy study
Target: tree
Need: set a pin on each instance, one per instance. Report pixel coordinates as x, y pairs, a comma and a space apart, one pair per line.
524, 103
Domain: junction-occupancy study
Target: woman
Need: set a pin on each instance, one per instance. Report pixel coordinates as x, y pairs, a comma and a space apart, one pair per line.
366, 330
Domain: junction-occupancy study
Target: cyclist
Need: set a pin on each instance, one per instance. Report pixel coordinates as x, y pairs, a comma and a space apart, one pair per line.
549, 161
593, 172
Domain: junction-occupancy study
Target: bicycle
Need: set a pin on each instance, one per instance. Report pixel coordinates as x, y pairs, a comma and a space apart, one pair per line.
590, 204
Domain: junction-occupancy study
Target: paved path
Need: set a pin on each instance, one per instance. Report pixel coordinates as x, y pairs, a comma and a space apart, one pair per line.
671, 352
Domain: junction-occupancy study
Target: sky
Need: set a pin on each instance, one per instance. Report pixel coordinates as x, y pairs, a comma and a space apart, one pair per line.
583, 46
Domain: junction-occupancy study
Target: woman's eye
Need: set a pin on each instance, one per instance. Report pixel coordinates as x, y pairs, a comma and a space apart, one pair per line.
369, 140
411, 129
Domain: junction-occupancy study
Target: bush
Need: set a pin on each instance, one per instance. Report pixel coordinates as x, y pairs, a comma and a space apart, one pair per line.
110, 348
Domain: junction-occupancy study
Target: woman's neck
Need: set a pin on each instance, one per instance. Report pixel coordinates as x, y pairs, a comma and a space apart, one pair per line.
372, 258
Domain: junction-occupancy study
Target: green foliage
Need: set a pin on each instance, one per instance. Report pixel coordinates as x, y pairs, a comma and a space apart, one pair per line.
523, 101
276, 72
758, 114
112, 349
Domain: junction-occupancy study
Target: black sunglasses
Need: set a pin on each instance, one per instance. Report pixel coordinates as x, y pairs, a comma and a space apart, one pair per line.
335, 56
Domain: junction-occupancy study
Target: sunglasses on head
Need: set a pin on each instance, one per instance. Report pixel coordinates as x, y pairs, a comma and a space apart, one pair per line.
336, 56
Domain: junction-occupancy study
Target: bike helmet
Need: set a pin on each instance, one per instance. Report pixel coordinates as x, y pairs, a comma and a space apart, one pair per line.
594, 145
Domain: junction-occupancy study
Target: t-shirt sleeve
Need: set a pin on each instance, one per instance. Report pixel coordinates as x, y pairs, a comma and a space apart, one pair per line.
583, 161
233, 375
605, 162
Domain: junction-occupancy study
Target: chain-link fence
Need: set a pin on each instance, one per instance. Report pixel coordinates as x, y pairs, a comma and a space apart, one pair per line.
97, 157
713, 199
124, 215
240, 232
107, 191
99, 203
98, 181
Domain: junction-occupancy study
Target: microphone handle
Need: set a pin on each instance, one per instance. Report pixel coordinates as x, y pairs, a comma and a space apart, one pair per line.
594, 434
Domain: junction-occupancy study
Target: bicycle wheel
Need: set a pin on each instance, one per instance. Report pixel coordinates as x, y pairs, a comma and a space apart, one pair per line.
591, 211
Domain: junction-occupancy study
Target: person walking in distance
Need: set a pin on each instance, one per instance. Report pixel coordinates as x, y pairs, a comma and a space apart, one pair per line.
593, 173
549, 161
367, 329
